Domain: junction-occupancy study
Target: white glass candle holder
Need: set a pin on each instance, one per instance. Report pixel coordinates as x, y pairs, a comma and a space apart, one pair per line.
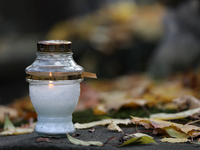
54, 87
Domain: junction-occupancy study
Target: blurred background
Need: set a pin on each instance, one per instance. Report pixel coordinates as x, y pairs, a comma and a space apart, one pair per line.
110, 37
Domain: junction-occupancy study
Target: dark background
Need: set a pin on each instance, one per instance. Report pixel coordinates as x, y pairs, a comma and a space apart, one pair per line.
158, 48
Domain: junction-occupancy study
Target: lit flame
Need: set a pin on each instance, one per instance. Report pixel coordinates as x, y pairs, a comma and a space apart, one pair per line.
50, 84
50, 74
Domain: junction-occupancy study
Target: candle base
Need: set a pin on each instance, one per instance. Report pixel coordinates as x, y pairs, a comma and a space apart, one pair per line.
54, 127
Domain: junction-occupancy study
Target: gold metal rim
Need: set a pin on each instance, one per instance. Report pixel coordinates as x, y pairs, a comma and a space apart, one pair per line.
55, 78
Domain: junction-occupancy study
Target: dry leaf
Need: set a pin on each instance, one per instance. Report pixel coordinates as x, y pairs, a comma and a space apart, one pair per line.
114, 126
77, 134
10, 129
163, 127
139, 138
175, 140
11, 111
101, 122
100, 110
16, 131
41, 139
91, 130
83, 143
136, 135
119, 99
88, 98
183, 114
187, 102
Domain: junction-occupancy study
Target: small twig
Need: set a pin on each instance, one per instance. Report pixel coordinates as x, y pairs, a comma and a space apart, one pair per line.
194, 117
146, 110
192, 122
136, 127
112, 145
143, 131
192, 139
112, 138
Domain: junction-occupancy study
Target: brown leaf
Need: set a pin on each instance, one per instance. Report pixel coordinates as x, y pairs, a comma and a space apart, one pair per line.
88, 97
11, 111
187, 102
91, 130
41, 139
165, 127
77, 134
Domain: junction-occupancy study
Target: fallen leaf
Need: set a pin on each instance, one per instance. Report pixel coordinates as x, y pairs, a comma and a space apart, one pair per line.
16, 131
140, 138
10, 129
7, 123
174, 140
41, 139
100, 110
163, 127
13, 113
77, 134
114, 126
101, 122
179, 115
119, 98
137, 135
173, 133
187, 102
83, 143
198, 143
88, 98
91, 130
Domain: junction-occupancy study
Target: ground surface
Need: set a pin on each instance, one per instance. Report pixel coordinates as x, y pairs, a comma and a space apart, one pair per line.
27, 141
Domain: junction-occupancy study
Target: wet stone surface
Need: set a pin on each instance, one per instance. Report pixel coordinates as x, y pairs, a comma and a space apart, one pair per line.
27, 141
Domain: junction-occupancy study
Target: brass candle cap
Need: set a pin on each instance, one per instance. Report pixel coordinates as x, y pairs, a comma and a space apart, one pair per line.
54, 46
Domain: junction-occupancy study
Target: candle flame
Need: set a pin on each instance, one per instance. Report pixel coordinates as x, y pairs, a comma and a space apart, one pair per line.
50, 84
50, 74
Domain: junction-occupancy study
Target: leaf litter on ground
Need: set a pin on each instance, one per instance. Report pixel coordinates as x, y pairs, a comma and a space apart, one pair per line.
179, 115
102, 122
178, 131
10, 129
44, 139
137, 138
84, 143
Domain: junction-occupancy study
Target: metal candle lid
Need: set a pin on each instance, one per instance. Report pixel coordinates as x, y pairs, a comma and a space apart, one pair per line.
54, 46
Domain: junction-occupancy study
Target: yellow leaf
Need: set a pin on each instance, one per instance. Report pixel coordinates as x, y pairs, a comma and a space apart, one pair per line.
139, 139
175, 140
183, 114
101, 122
7, 123
160, 126
17, 131
100, 110
10, 129
176, 134
83, 143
